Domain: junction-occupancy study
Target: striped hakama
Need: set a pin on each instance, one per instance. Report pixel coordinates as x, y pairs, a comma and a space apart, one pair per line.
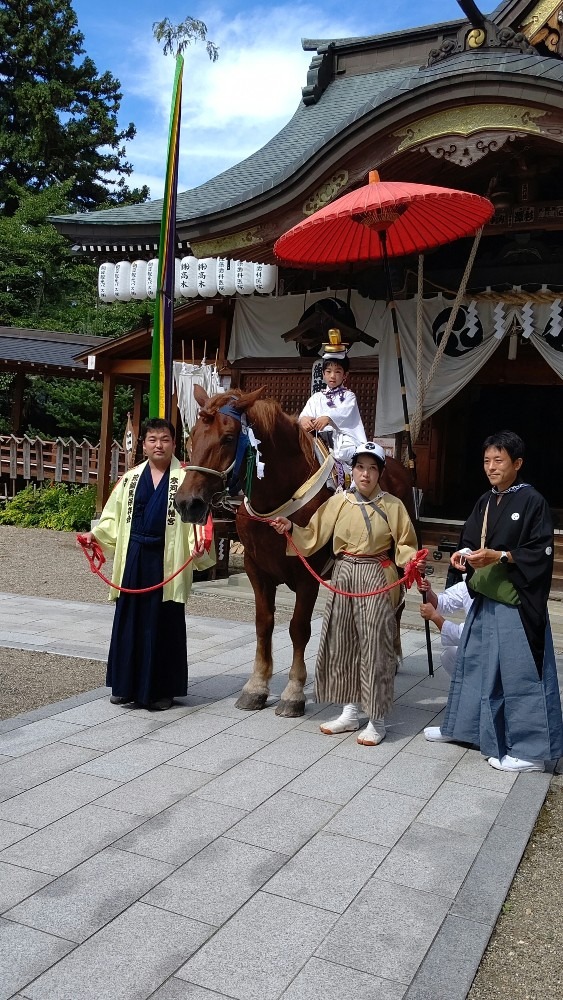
356, 660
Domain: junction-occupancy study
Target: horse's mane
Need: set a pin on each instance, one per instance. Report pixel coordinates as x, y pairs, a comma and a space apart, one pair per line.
265, 415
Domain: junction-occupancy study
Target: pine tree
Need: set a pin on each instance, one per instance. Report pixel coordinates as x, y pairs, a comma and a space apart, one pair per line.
58, 115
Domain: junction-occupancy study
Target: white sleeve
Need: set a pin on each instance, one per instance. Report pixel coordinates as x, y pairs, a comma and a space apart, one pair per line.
312, 408
453, 599
451, 633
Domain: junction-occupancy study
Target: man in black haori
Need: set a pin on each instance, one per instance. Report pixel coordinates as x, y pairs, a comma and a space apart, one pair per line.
504, 695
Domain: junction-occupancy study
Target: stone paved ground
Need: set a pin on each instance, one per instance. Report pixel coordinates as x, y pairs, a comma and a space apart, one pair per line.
203, 854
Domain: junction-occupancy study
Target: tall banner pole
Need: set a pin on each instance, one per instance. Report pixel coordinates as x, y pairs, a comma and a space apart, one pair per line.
160, 388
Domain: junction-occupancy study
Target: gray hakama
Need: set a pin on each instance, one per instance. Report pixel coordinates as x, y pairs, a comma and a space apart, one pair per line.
497, 698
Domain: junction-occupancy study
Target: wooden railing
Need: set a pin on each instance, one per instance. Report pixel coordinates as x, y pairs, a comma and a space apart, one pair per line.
61, 461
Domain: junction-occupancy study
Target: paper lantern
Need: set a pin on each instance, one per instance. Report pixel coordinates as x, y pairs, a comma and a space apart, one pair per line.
138, 281
265, 278
244, 277
226, 276
122, 281
207, 277
105, 282
152, 277
188, 277
177, 278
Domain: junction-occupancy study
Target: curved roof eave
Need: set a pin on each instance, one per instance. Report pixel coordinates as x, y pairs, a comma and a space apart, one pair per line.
394, 86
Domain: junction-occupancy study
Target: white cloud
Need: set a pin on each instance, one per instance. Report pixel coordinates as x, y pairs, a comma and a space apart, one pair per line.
231, 107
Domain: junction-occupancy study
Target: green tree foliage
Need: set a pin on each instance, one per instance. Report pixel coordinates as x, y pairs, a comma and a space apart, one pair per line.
58, 114
61, 407
43, 284
177, 37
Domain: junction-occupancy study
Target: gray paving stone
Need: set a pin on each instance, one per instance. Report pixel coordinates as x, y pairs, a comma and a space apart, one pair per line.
463, 808
178, 833
378, 756
216, 883
191, 730
129, 958
247, 784
115, 733
154, 791
430, 858
327, 872
219, 686
450, 752
333, 779
10, 833
376, 815
226, 707
417, 696
81, 902
473, 769
295, 749
412, 775
486, 886
131, 760
36, 735
263, 725
393, 945
524, 801
452, 961
18, 883
335, 982
218, 754
259, 951
21, 773
24, 954
177, 989
284, 823
92, 713
70, 840
46, 803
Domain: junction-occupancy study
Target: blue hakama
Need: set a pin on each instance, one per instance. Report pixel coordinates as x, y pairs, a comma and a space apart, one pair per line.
147, 658
498, 699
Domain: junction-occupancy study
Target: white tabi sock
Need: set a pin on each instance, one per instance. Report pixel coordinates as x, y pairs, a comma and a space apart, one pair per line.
373, 734
347, 722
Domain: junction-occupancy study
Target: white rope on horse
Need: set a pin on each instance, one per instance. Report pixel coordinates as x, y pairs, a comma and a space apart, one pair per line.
449, 327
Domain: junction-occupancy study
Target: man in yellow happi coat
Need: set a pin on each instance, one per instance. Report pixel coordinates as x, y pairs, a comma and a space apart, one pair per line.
140, 526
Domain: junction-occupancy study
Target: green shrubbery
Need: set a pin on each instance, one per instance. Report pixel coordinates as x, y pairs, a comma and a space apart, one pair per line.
61, 507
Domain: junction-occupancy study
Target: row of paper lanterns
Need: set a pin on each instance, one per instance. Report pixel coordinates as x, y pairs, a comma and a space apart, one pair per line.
207, 277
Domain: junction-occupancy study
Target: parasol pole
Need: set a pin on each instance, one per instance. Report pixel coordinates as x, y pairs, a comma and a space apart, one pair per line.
410, 451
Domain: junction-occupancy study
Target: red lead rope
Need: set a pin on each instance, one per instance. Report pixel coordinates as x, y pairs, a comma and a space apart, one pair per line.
96, 560
412, 574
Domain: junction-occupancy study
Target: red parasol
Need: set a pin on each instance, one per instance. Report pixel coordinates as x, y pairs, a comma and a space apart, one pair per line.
412, 217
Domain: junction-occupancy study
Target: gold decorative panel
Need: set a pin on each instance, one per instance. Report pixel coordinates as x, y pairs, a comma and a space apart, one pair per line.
473, 118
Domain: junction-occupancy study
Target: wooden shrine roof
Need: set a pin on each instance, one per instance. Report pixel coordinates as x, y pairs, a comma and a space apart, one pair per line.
46, 352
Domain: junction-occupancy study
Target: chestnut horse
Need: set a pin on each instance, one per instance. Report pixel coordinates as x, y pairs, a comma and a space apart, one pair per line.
290, 460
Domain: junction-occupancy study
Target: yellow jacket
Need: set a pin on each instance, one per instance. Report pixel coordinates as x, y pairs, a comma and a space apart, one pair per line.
114, 528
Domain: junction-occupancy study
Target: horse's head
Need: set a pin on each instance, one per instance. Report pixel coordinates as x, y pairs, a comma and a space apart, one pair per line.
214, 441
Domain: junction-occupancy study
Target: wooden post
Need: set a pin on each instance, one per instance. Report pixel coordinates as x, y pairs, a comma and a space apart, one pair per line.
222, 341
136, 415
106, 438
18, 386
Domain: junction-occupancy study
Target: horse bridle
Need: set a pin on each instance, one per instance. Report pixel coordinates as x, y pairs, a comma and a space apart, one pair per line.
229, 411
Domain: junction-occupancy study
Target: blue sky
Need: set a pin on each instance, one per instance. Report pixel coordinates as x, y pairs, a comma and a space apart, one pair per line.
231, 107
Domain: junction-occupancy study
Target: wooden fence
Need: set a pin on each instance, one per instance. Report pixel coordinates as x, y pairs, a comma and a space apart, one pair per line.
32, 460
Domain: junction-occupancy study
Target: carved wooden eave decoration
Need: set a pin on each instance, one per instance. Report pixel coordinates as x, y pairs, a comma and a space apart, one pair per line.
544, 26
486, 36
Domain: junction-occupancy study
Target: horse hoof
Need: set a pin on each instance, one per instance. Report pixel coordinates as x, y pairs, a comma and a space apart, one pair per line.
251, 702
291, 709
